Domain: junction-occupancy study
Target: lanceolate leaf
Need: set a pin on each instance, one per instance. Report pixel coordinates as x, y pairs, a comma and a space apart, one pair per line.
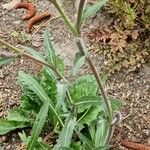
89, 115
102, 148
4, 61
67, 148
18, 114
34, 86
49, 50
101, 132
35, 53
8, 125
38, 125
78, 62
66, 133
89, 100
61, 93
93, 9
85, 140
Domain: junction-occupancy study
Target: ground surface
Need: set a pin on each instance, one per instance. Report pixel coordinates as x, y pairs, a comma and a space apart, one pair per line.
134, 88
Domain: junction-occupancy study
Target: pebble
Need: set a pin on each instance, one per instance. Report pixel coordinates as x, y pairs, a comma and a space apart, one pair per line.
8, 147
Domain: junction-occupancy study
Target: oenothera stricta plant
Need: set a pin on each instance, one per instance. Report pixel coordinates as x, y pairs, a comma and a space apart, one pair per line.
78, 112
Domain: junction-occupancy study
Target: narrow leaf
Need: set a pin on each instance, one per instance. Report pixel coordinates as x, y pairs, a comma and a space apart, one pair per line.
78, 62
102, 148
66, 133
93, 9
85, 140
7, 126
18, 114
61, 93
49, 50
89, 115
35, 53
5, 61
101, 133
38, 125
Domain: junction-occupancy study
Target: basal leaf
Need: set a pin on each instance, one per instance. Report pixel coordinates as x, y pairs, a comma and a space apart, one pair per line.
35, 53
48, 47
89, 115
38, 125
93, 9
61, 93
81, 87
89, 144
23, 137
102, 148
42, 146
59, 64
18, 114
89, 100
34, 86
8, 125
5, 61
66, 133
101, 133
116, 103
78, 62
67, 148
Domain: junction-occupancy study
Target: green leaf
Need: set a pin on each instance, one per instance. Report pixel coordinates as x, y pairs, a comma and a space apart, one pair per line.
42, 146
48, 47
61, 93
93, 9
67, 148
35, 53
101, 133
38, 125
18, 114
85, 140
23, 137
8, 125
116, 103
4, 61
102, 148
59, 64
34, 86
50, 73
89, 100
78, 62
30, 104
81, 87
66, 133
89, 115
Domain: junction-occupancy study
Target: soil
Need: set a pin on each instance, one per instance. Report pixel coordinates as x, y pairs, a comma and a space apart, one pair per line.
134, 87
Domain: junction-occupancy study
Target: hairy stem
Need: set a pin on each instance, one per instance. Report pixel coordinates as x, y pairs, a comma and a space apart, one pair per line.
65, 18
22, 53
79, 15
107, 106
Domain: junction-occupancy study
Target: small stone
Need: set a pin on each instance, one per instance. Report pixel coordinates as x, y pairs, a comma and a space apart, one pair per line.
8, 147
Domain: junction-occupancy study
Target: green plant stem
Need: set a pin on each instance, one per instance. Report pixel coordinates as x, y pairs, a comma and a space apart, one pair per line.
107, 106
65, 18
79, 15
22, 53
17, 50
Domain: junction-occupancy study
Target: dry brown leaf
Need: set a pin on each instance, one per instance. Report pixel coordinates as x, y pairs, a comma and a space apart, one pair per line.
11, 4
